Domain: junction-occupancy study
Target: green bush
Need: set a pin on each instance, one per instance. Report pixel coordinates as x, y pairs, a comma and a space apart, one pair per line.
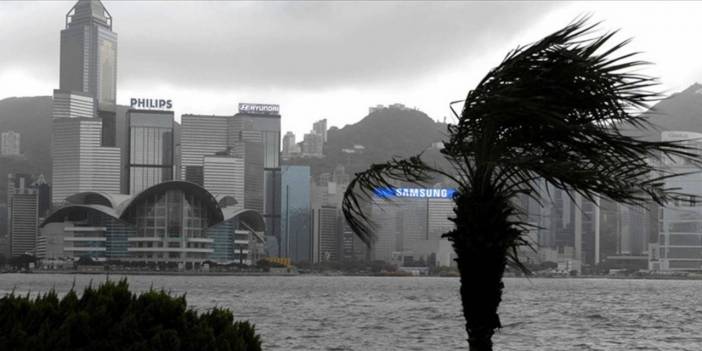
112, 318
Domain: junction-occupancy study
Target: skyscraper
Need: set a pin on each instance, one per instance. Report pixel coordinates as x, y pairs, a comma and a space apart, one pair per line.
326, 233
296, 231
23, 214
83, 136
151, 148
201, 136
253, 135
89, 60
680, 223
71, 104
79, 162
256, 129
223, 176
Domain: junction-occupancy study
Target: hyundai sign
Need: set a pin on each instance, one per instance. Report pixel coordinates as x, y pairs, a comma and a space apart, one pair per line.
151, 104
420, 193
259, 109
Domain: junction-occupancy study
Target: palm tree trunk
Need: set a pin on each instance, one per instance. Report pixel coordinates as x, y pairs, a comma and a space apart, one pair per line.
481, 294
482, 225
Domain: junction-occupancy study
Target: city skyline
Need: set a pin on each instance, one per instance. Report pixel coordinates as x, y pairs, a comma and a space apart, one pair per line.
430, 60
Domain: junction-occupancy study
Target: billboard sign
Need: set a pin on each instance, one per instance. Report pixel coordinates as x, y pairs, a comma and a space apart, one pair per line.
419, 193
151, 104
259, 109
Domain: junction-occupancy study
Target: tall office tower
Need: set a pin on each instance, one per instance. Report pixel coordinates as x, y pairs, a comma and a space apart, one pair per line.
79, 162
320, 128
83, 152
89, 61
255, 127
10, 145
201, 136
71, 104
23, 214
253, 134
326, 234
412, 223
224, 176
347, 241
680, 227
386, 218
4, 230
296, 231
272, 201
43, 190
438, 213
151, 154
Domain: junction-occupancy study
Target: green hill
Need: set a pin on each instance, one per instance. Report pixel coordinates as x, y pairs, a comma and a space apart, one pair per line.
378, 137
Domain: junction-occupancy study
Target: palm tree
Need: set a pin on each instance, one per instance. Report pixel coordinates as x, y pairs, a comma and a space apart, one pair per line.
557, 111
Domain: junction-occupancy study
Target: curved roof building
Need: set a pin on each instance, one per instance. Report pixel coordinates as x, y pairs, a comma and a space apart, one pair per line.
174, 221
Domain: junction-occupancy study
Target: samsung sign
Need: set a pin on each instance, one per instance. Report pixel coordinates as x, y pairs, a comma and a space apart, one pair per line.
151, 104
421, 193
259, 109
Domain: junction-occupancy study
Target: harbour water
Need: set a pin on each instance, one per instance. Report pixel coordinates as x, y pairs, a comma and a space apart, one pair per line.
424, 313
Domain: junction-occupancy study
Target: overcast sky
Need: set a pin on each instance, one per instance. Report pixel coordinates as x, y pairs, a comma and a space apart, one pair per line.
327, 60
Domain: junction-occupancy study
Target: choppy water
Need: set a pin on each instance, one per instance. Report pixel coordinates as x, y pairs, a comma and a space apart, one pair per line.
373, 313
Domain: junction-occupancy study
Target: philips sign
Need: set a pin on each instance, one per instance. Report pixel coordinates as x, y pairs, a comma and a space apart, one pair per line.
259, 109
421, 193
151, 104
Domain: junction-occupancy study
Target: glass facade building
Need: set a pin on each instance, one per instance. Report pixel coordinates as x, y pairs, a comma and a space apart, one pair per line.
255, 138
170, 225
89, 61
151, 149
173, 221
296, 231
679, 245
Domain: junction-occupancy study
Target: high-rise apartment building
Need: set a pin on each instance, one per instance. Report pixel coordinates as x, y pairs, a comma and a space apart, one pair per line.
10, 145
290, 147
151, 149
313, 145
320, 128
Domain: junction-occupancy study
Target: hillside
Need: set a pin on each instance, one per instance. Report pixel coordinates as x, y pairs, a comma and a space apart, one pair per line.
681, 111
31, 117
383, 134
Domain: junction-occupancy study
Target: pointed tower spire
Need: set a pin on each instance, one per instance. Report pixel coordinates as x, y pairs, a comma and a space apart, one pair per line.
88, 12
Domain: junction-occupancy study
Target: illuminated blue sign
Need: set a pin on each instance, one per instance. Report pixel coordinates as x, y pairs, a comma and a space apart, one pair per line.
420, 193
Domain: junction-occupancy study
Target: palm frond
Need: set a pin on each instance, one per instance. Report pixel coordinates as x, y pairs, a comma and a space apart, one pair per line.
362, 191
560, 109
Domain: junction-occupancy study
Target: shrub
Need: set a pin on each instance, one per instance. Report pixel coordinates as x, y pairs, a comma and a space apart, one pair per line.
113, 318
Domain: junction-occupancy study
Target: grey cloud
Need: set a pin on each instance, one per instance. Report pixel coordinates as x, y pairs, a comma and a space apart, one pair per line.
309, 46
